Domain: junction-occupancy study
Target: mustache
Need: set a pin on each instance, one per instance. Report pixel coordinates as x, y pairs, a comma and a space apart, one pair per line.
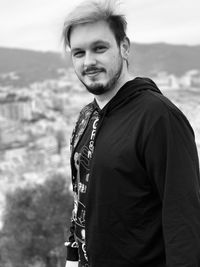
89, 69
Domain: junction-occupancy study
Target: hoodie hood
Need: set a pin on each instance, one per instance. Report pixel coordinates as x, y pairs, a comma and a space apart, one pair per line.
127, 92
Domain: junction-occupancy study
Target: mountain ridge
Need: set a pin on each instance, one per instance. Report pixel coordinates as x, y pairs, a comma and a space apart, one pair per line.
145, 60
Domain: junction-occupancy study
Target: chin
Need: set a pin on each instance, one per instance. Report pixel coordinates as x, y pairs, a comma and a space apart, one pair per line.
97, 88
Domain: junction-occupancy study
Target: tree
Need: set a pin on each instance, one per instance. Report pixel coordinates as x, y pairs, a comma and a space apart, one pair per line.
35, 220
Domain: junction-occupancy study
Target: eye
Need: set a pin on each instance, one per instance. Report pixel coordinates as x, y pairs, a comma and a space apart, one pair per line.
78, 54
100, 49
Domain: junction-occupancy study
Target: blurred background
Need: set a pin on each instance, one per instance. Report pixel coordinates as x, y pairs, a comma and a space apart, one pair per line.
40, 98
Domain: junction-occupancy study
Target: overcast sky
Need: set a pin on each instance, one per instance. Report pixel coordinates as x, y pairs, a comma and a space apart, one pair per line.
37, 24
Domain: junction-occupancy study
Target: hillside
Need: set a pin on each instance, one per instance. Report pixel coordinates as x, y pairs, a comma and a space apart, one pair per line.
29, 66
22, 67
149, 59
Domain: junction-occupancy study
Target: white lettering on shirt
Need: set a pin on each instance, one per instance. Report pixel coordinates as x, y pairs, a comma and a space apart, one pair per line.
91, 143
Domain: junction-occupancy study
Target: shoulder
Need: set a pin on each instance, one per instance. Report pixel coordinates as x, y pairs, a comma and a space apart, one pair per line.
88, 108
84, 115
85, 112
81, 123
157, 105
160, 108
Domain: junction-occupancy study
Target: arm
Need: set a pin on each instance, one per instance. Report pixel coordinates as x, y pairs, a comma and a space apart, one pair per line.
172, 164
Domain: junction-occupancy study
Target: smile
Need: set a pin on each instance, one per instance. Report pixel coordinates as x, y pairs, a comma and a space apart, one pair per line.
92, 73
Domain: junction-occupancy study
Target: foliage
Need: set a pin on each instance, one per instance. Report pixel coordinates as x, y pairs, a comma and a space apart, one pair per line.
35, 220
61, 140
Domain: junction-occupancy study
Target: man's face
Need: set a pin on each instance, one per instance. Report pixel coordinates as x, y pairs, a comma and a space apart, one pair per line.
96, 56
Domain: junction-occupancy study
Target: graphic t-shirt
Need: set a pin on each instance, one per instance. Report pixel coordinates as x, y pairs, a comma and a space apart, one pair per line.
82, 161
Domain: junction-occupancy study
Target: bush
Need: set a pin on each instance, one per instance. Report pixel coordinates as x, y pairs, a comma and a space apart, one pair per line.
34, 225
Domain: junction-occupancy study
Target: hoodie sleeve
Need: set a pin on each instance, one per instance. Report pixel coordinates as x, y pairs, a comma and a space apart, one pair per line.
172, 164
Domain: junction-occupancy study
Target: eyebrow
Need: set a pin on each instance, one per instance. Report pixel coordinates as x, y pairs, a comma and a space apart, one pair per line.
101, 42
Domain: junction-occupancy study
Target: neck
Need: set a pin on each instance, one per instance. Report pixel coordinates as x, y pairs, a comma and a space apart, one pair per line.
103, 99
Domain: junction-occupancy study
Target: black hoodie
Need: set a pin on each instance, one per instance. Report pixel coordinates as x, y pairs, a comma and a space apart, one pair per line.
143, 197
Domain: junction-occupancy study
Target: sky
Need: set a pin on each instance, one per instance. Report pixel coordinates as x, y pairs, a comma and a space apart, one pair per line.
37, 24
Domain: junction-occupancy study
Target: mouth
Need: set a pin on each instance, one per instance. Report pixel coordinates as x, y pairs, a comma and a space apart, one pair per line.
92, 73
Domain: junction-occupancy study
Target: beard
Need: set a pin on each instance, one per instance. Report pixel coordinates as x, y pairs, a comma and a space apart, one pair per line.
99, 88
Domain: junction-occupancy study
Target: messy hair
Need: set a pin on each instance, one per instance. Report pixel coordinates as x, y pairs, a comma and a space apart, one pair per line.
93, 11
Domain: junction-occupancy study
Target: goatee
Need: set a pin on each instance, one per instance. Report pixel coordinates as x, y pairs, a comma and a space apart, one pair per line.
98, 88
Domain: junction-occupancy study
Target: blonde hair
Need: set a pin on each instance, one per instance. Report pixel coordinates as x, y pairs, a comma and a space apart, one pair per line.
93, 11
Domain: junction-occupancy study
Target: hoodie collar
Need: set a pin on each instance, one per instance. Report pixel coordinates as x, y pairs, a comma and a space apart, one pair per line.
129, 90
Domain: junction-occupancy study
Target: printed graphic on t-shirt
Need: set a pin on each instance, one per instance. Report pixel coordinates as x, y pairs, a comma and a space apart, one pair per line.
82, 161
82, 165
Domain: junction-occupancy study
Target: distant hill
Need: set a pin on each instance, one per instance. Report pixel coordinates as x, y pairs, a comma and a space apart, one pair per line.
148, 59
145, 60
30, 66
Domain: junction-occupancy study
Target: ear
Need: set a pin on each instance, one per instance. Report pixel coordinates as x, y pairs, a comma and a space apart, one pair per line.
125, 48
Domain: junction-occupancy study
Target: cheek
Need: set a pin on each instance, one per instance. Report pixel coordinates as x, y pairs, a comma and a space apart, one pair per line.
77, 65
115, 58
115, 62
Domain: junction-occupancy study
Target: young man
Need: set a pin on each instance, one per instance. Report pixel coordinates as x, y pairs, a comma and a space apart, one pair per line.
135, 170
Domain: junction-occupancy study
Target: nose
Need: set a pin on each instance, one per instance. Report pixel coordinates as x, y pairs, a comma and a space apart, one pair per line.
89, 59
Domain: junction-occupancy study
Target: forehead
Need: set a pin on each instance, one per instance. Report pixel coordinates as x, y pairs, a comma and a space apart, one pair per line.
88, 33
